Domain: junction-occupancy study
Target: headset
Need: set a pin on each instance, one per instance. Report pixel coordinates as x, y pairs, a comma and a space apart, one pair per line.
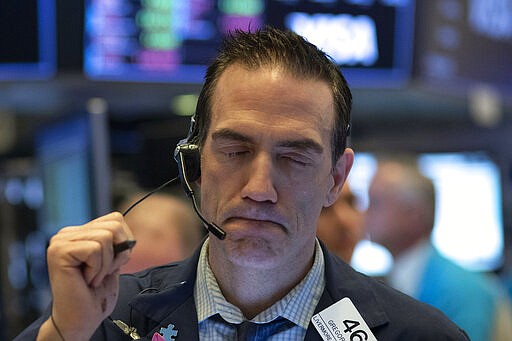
188, 158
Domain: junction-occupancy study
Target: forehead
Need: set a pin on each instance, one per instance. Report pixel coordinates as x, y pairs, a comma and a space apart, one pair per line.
272, 96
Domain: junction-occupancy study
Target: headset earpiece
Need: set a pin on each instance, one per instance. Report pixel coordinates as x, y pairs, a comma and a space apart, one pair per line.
186, 155
188, 159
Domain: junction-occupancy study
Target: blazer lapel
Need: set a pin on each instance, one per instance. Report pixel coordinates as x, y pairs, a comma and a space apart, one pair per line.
172, 305
343, 281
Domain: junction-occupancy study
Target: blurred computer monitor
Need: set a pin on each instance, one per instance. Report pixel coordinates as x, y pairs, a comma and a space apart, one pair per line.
73, 159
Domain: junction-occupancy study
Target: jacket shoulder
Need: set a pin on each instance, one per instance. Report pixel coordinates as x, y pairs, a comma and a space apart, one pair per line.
390, 314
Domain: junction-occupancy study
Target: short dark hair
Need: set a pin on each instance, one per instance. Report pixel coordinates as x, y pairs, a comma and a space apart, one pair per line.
274, 47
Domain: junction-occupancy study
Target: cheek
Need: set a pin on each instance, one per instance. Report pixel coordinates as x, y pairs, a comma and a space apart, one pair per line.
215, 188
215, 172
307, 207
309, 193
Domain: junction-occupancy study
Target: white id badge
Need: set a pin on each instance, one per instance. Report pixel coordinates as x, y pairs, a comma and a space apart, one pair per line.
342, 322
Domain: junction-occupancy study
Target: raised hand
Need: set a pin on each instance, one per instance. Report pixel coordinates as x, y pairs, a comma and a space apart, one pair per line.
84, 276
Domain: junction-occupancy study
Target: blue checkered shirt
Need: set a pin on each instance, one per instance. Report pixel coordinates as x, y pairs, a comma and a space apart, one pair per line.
297, 306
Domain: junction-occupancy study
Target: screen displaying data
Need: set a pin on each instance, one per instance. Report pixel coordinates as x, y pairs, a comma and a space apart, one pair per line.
172, 41
72, 157
463, 43
28, 39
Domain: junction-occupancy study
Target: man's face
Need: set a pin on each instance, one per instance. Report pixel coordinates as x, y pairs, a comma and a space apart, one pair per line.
267, 168
390, 220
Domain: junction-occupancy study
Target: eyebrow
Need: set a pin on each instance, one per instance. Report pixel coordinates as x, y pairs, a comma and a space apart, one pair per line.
302, 144
229, 134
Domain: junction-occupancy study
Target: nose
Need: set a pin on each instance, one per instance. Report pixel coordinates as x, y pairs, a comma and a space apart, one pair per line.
260, 180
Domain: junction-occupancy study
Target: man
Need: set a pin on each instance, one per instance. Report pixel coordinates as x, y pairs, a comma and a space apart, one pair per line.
340, 226
400, 217
165, 227
272, 122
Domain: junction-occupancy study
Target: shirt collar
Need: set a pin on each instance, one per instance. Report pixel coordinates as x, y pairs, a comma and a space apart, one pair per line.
297, 306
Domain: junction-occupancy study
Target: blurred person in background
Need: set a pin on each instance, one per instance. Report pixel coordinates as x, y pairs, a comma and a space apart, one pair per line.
340, 226
400, 217
166, 229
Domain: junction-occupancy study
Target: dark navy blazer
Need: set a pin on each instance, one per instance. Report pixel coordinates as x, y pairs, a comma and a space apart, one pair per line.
164, 295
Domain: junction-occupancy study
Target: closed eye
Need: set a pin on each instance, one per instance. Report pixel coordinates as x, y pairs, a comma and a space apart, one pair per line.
234, 154
230, 144
298, 160
233, 151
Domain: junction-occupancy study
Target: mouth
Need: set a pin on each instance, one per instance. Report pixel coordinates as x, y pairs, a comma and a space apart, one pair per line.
251, 223
252, 218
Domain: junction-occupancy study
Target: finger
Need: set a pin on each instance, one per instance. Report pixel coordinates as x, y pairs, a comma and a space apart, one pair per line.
118, 227
91, 253
105, 264
107, 231
98, 223
90, 250
94, 261
114, 221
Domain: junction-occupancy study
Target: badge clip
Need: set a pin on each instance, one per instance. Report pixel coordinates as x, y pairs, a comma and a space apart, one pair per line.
130, 331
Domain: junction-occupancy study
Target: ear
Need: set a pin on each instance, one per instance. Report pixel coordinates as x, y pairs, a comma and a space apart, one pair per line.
339, 175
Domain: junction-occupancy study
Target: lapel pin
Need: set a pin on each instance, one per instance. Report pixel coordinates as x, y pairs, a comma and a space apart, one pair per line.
166, 334
157, 337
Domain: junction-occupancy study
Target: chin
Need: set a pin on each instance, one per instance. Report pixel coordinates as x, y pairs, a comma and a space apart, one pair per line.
253, 252
255, 262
